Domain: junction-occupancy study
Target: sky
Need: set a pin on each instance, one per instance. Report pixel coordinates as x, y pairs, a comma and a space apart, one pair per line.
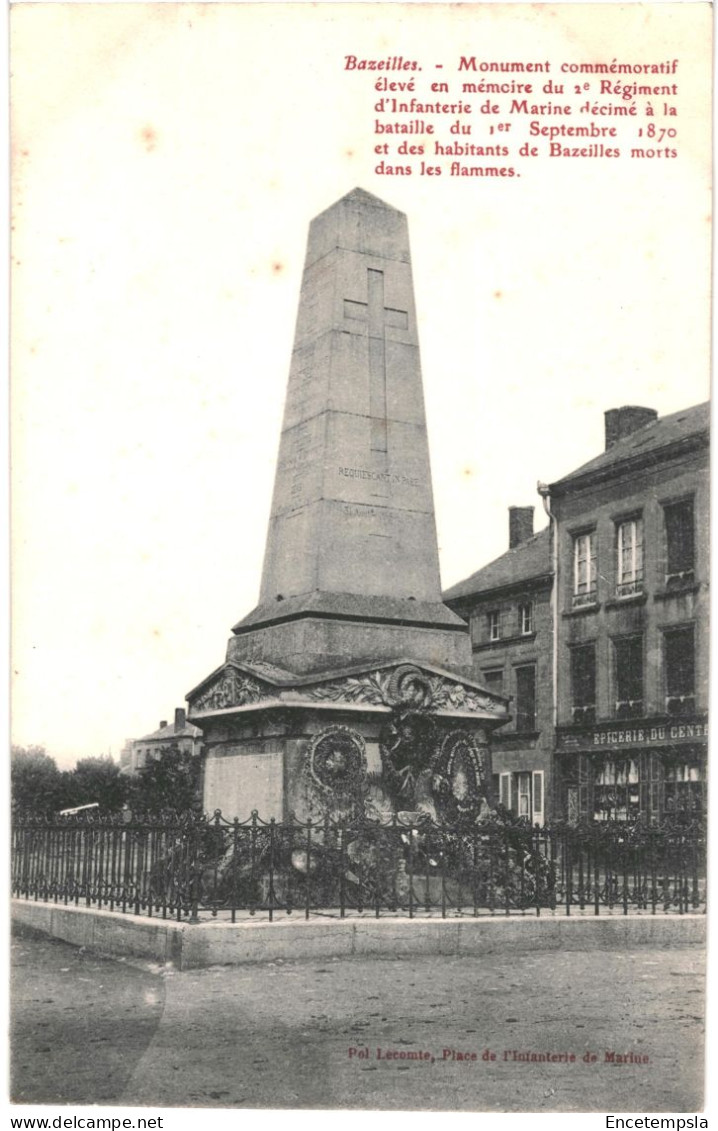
167, 160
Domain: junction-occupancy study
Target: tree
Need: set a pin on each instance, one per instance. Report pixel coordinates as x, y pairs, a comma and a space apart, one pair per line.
96, 780
169, 782
36, 784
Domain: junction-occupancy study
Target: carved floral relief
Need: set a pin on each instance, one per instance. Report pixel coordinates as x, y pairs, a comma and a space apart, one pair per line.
406, 686
232, 689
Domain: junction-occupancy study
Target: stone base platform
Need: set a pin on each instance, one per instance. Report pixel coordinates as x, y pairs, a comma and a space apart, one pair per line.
188, 946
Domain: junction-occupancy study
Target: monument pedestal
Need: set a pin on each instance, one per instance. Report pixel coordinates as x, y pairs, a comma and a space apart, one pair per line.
374, 739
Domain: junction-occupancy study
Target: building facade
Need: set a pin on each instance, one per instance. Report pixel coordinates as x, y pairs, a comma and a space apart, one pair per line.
615, 649
508, 607
632, 530
179, 735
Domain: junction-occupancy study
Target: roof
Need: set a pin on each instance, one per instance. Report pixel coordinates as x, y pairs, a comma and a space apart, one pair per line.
528, 561
646, 443
169, 732
531, 560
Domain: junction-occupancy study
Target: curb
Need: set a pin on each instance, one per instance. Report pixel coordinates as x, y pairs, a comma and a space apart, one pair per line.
218, 943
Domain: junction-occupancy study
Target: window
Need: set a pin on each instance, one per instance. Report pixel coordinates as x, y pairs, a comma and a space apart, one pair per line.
680, 544
683, 788
526, 619
616, 791
494, 626
583, 683
628, 673
523, 794
494, 680
526, 698
679, 667
584, 569
629, 565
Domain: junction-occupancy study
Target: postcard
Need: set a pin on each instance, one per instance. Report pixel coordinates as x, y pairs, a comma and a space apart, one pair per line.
360, 439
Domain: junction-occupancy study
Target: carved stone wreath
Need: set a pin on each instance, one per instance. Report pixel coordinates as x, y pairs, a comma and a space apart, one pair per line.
408, 686
459, 779
337, 760
407, 746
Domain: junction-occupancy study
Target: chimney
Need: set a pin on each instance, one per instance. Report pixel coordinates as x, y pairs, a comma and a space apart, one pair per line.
521, 525
163, 724
622, 422
180, 719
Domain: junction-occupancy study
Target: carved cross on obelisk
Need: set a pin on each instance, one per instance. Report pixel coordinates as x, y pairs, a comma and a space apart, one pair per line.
377, 362
379, 317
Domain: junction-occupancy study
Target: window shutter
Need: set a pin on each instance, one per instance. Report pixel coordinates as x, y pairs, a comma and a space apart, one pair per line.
537, 817
592, 572
505, 790
583, 768
656, 787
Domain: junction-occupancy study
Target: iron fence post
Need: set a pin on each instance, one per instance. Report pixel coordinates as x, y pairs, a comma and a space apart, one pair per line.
342, 871
411, 871
307, 898
443, 874
195, 865
235, 843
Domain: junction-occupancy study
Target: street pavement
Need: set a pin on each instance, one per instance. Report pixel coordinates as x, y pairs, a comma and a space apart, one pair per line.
336, 1033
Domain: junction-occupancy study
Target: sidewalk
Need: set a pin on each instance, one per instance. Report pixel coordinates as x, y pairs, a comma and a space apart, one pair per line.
281, 1034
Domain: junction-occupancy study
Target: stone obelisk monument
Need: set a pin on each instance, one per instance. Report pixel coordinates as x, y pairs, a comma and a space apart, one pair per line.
350, 627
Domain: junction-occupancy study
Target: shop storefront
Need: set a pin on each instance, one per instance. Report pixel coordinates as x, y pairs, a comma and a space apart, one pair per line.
648, 770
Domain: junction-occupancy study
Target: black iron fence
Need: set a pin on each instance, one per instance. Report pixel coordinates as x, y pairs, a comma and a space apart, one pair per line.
180, 867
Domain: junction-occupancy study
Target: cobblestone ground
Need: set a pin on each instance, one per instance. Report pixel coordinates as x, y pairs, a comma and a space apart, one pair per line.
87, 1030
